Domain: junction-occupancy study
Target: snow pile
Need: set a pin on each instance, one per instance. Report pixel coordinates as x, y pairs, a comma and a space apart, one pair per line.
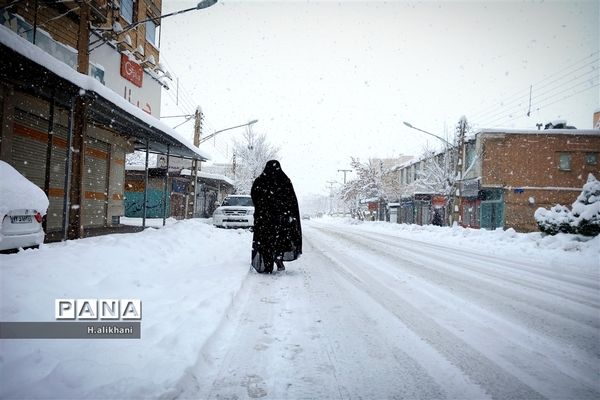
17, 192
565, 249
186, 275
584, 217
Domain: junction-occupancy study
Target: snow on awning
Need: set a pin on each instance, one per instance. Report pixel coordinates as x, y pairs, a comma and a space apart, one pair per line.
108, 107
206, 175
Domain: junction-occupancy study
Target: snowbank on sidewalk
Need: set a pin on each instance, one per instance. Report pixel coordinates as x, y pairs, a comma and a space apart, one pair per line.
186, 275
561, 249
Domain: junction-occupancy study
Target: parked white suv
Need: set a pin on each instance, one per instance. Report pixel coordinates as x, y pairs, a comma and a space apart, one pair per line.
236, 211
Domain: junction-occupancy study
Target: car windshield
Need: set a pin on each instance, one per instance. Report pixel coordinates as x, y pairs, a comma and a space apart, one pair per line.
238, 201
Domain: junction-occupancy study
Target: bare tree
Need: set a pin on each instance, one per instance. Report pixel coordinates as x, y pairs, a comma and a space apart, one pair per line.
438, 174
251, 155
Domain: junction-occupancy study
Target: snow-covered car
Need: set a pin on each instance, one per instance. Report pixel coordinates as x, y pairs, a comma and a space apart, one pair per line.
22, 207
236, 211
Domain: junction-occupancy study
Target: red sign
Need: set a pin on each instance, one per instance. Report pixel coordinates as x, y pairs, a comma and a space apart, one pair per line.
373, 206
131, 71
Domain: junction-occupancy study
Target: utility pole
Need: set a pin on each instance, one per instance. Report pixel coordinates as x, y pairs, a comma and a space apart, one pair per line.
76, 194
344, 171
462, 129
198, 117
331, 196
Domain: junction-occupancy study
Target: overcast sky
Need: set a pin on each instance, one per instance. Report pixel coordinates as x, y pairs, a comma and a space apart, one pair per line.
331, 80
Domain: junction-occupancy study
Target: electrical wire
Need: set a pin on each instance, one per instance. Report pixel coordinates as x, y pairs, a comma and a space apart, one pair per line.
522, 93
538, 88
540, 97
541, 106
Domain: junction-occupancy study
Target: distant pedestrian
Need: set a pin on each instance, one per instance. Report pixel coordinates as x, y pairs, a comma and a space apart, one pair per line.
277, 230
437, 218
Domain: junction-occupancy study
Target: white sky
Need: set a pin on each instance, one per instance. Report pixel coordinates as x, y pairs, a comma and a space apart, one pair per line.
331, 80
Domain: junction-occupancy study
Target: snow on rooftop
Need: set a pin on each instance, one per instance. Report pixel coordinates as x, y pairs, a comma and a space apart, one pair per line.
39, 56
589, 132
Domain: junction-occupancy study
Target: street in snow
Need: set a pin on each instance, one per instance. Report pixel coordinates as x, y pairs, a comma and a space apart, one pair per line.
370, 310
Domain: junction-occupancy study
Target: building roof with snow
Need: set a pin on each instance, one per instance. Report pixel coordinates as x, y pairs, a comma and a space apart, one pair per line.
590, 132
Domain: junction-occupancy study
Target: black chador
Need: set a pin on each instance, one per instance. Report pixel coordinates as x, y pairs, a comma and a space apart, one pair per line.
277, 230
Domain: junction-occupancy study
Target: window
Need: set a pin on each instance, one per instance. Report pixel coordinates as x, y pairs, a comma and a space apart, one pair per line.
591, 158
127, 10
470, 154
151, 32
564, 163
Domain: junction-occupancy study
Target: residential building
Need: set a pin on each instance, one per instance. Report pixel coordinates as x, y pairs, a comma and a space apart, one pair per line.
516, 171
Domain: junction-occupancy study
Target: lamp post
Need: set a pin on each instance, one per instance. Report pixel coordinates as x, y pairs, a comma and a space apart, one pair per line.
212, 135
121, 30
456, 170
200, 6
429, 133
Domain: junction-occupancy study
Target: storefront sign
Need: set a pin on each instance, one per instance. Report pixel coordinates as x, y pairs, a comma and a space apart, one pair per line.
126, 78
439, 201
131, 71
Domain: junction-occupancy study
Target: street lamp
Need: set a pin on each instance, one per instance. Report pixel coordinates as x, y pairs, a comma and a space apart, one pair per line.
118, 30
212, 135
202, 5
428, 133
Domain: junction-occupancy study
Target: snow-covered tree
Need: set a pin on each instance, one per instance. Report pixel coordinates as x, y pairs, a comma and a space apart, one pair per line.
251, 155
368, 181
586, 209
557, 219
437, 174
583, 218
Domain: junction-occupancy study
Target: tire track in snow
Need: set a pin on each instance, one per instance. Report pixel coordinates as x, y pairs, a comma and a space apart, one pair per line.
537, 302
355, 269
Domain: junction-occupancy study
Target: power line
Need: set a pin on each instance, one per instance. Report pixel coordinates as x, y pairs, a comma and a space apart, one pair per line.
520, 93
184, 94
537, 90
538, 99
508, 117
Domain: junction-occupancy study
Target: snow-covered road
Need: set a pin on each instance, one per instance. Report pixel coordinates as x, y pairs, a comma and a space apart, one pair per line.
378, 316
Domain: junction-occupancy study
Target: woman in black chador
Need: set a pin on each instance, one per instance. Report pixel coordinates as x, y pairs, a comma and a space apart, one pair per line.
277, 231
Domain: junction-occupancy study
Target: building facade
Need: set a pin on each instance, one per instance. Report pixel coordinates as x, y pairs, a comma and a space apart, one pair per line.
80, 87
503, 177
517, 171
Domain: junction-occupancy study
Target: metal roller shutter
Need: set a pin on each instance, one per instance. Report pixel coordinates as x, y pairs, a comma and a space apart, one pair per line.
29, 145
95, 183
56, 191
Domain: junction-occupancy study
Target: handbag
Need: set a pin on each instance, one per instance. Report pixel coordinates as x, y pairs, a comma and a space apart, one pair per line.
258, 263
